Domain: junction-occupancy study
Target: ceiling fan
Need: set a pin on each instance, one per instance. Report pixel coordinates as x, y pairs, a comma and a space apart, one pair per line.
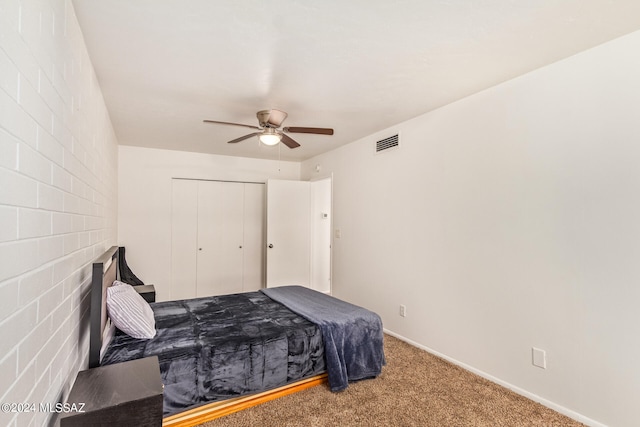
269, 129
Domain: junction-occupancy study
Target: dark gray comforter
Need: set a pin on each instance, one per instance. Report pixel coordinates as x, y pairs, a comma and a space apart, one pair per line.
225, 346
352, 335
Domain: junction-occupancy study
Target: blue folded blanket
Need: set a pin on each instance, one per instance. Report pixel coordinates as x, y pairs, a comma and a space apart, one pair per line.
352, 335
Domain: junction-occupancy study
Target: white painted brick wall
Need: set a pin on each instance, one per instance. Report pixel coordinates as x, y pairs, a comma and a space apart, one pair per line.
58, 195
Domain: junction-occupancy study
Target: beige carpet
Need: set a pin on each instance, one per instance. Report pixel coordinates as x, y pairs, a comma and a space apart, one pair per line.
415, 389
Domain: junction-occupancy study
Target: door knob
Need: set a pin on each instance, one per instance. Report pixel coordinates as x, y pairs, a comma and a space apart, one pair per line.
270, 246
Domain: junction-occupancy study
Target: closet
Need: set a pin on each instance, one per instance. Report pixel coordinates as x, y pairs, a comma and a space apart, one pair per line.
217, 237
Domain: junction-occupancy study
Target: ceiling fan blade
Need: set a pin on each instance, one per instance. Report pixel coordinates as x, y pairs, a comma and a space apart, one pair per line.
234, 124
276, 117
286, 140
242, 138
318, 131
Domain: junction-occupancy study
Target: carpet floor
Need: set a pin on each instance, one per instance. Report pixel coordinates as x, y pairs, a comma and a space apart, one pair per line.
414, 389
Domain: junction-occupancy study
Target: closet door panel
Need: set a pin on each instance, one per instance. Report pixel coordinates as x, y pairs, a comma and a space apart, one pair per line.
220, 229
253, 263
184, 238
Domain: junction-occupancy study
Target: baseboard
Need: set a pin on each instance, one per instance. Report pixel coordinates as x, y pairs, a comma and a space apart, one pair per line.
549, 404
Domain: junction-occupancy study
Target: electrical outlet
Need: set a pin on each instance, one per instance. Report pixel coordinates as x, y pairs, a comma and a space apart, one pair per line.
403, 310
539, 358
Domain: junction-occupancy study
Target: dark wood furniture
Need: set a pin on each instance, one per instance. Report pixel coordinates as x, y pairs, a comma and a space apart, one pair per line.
148, 292
124, 394
104, 272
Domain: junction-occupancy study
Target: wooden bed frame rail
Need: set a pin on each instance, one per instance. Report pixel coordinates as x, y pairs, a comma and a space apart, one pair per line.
211, 411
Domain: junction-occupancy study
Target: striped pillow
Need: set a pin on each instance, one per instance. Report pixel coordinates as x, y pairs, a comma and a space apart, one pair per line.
129, 312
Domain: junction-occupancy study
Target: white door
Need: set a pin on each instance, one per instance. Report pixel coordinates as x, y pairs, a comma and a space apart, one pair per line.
253, 238
220, 237
184, 238
288, 233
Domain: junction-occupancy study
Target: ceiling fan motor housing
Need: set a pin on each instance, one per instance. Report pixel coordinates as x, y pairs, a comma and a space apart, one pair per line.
271, 118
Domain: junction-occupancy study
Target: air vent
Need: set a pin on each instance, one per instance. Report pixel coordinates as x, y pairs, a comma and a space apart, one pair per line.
387, 143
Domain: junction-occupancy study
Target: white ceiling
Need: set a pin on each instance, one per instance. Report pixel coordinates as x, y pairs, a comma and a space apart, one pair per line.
357, 66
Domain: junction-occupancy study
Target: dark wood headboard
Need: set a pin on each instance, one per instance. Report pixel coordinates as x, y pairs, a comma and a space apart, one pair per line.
104, 272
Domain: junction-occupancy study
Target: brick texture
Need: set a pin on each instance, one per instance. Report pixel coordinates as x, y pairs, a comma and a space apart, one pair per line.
58, 201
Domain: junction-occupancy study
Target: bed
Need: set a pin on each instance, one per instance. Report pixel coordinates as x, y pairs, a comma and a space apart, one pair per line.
223, 353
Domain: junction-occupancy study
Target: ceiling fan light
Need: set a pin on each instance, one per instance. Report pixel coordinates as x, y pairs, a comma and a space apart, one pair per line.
270, 138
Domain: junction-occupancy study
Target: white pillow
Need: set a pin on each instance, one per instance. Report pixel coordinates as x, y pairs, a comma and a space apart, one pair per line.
129, 312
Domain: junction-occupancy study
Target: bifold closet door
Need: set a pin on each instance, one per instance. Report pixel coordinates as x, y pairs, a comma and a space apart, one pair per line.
217, 231
184, 238
220, 238
254, 225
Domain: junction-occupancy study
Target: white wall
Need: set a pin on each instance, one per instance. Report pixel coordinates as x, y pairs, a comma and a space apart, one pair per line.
144, 217
58, 171
509, 220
